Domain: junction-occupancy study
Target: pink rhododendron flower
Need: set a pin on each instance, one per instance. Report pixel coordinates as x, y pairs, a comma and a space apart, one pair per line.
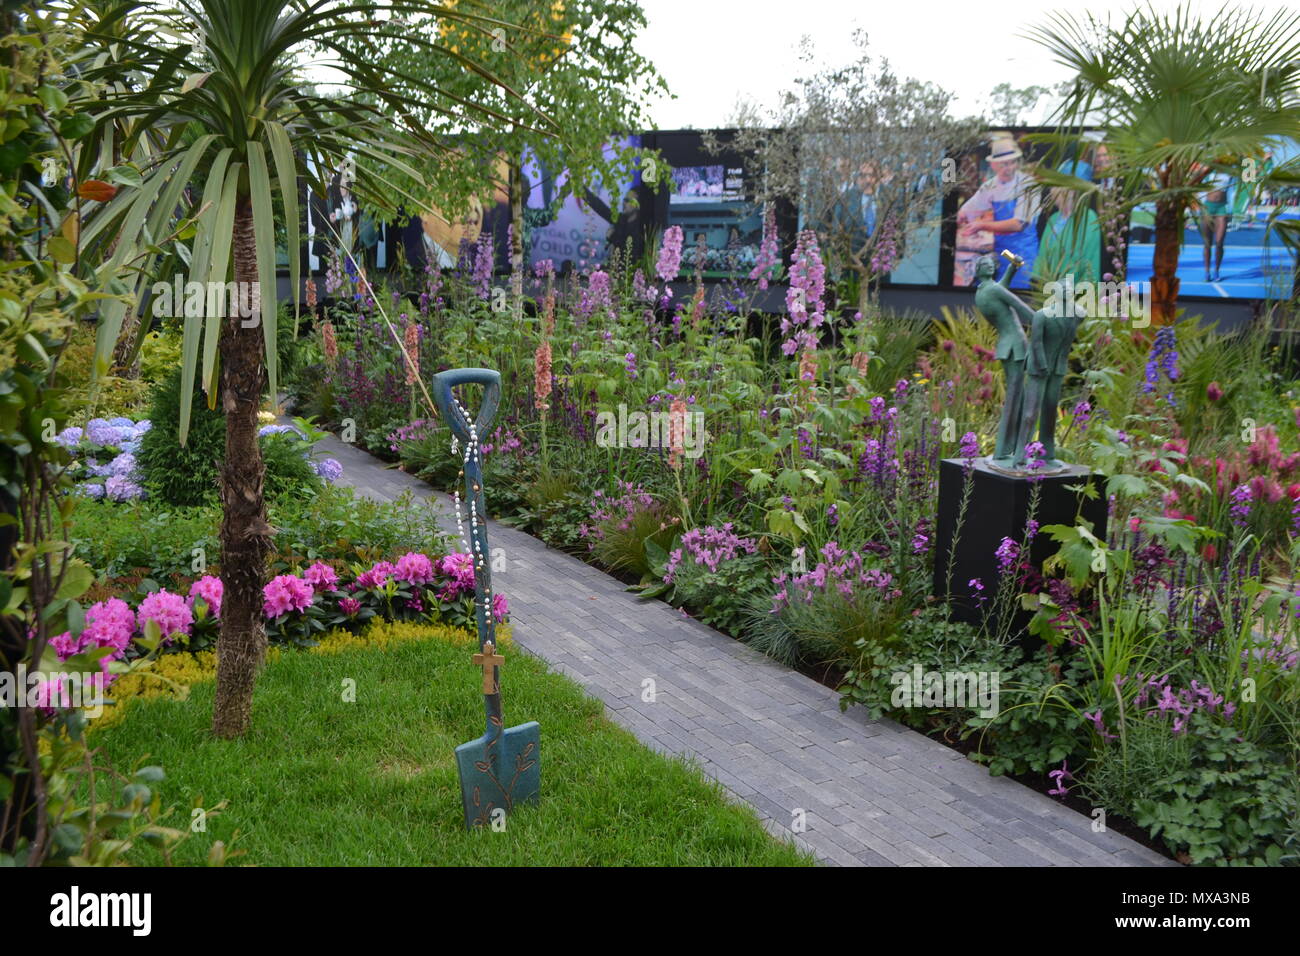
460, 568
500, 607
286, 593
169, 611
376, 577
109, 623
349, 606
321, 577
210, 589
414, 568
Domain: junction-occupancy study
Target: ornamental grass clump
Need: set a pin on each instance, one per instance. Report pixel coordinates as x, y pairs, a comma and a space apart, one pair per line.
844, 609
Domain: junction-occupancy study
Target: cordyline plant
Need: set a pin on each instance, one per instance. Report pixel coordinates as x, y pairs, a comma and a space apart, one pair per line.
240, 129
1180, 98
860, 150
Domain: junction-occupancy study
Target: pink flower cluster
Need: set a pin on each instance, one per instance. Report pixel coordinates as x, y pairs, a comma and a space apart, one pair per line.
709, 547
597, 295
458, 567
1181, 703
804, 299
769, 254
321, 577
838, 568
285, 593
614, 513
210, 589
670, 254
170, 612
377, 577
414, 568
109, 623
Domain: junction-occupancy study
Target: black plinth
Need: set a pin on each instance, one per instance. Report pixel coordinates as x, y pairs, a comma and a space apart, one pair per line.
998, 507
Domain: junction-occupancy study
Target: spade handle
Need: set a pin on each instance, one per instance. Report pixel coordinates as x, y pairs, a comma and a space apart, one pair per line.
451, 413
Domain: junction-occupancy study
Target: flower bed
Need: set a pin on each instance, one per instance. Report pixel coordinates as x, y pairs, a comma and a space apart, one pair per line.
801, 520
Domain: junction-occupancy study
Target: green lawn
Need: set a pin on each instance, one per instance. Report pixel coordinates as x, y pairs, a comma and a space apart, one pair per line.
323, 782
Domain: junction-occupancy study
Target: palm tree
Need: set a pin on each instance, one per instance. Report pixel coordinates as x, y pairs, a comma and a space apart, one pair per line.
240, 129
1180, 98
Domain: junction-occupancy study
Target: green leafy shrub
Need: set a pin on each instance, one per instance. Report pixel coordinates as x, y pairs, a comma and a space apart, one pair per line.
189, 475
289, 471
174, 474
1232, 803
1039, 724
115, 538
931, 641
337, 524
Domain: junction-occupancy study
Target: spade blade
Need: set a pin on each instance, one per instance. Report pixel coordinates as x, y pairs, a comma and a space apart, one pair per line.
499, 771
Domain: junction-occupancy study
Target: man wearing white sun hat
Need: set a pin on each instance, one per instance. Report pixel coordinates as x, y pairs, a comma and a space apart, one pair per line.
1007, 205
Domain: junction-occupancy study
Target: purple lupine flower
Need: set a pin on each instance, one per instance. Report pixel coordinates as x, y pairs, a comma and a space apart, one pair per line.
1162, 360
1241, 497
484, 265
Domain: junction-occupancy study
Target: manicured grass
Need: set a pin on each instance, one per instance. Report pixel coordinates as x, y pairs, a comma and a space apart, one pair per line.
323, 782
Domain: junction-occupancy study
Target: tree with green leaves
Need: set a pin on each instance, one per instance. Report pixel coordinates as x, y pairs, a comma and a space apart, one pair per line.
860, 150
240, 127
1183, 100
573, 59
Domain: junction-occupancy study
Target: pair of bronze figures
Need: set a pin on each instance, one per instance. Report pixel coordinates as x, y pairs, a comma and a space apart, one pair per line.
1034, 365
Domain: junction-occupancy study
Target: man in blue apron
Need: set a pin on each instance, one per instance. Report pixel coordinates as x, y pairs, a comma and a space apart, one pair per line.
1007, 205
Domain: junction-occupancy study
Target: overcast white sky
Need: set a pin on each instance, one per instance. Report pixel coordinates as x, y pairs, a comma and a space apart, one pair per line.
712, 51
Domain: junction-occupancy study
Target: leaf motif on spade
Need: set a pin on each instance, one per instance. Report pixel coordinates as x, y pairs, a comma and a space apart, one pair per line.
478, 797
482, 766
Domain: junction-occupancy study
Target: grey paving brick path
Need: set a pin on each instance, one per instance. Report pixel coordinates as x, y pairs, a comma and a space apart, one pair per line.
872, 792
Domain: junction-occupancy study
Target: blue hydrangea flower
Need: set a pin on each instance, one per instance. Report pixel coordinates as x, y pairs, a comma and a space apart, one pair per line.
101, 432
91, 489
122, 489
278, 430
123, 466
329, 469
70, 437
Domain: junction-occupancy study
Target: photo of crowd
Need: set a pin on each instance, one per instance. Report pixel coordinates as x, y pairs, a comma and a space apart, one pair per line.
698, 184
722, 228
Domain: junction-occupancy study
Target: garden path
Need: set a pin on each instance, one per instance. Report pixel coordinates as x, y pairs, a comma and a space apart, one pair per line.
872, 792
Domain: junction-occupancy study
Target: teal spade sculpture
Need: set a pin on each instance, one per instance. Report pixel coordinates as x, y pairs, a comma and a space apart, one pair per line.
502, 769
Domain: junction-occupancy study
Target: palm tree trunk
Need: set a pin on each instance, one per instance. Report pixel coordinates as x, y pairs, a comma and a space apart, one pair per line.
245, 534
1164, 271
